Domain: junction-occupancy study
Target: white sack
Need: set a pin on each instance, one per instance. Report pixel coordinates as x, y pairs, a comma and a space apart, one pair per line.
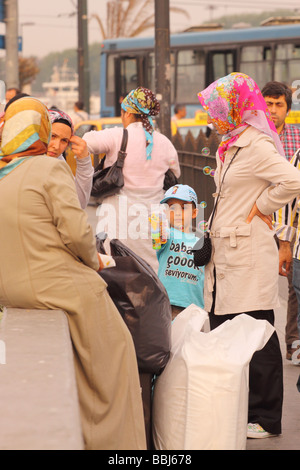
201, 398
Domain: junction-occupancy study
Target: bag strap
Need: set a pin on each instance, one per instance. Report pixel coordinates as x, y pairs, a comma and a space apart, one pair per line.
124, 140
122, 152
122, 149
215, 206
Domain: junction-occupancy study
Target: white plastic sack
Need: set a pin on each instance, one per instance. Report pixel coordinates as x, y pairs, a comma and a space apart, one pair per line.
201, 399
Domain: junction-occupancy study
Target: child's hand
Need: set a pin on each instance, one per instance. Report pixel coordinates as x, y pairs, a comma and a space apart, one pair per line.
159, 229
155, 230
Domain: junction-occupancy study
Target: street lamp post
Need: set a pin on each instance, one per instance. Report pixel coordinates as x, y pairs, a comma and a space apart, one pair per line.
28, 23
11, 44
163, 65
83, 55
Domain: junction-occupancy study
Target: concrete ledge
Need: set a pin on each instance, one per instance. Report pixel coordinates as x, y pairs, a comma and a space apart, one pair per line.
39, 407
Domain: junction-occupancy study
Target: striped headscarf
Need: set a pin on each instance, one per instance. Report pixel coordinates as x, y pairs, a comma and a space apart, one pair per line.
143, 102
26, 133
233, 103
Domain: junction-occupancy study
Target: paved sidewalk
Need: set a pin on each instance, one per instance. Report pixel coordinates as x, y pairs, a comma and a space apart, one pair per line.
290, 437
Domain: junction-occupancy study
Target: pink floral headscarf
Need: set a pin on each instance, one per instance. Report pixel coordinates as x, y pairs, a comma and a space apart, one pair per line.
233, 103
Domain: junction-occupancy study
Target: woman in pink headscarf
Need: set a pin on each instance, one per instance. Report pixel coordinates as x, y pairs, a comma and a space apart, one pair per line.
242, 275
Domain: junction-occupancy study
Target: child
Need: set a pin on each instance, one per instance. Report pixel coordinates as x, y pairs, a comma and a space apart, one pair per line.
182, 279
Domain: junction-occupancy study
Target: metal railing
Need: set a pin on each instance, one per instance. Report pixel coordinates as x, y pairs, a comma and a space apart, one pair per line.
197, 171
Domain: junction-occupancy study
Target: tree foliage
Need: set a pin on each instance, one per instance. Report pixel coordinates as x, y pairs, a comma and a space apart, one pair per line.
28, 70
129, 18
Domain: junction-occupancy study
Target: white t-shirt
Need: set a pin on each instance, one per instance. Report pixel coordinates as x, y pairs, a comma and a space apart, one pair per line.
138, 171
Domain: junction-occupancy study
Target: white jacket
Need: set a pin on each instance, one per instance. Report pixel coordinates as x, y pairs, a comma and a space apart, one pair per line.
245, 256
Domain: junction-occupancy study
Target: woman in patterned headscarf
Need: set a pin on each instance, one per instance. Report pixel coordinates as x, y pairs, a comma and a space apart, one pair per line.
149, 155
63, 135
49, 261
143, 103
242, 275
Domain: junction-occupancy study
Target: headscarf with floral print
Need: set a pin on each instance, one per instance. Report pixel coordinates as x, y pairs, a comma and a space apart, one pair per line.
56, 115
143, 102
233, 103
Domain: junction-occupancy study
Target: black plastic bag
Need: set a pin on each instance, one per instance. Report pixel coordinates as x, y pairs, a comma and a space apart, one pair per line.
143, 304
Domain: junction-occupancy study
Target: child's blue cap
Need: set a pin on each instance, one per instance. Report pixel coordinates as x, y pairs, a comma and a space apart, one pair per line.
183, 192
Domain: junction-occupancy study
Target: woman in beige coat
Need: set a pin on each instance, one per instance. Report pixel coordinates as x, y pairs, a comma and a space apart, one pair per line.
242, 276
49, 261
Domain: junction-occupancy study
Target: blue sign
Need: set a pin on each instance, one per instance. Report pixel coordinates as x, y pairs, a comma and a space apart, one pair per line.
2, 11
2, 42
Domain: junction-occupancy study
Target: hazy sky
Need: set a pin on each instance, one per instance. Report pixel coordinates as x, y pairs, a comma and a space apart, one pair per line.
53, 24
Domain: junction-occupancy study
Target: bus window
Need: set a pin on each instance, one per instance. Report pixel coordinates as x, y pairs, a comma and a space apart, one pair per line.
256, 61
151, 73
110, 80
287, 64
190, 75
222, 63
128, 75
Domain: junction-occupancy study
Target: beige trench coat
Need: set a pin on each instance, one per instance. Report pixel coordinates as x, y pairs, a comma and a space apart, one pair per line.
245, 256
49, 260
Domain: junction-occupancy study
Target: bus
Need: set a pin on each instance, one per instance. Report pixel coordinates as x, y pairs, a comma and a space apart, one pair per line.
197, 59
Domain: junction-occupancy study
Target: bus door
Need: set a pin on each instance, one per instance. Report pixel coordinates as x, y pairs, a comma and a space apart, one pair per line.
219, 64
129, 74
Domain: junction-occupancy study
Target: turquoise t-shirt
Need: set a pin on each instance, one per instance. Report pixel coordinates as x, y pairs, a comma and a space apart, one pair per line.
184, 282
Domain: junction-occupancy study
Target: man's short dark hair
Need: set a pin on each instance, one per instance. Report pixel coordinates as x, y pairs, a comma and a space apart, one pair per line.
79, 104
178, 107
15, 98
276, 89
14, 89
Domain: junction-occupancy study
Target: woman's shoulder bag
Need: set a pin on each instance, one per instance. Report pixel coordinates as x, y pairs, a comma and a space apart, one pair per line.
108, 181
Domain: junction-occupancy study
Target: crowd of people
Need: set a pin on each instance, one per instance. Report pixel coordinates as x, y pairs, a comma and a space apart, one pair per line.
54, 263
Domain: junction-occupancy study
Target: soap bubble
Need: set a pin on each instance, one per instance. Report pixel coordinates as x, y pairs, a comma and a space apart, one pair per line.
207, 170
202, 226
205, 151
212, 172
203, 204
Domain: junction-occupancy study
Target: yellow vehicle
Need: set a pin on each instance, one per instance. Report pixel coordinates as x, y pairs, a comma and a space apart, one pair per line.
183, 126
86, 126
293, 118
200, 122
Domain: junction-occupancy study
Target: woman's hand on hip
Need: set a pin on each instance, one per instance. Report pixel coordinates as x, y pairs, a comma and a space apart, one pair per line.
266, 218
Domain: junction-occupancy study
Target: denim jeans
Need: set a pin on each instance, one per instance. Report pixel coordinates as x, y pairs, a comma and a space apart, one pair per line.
296, 284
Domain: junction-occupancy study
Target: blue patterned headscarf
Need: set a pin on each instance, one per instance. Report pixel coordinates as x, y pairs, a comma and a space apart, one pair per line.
143, 102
